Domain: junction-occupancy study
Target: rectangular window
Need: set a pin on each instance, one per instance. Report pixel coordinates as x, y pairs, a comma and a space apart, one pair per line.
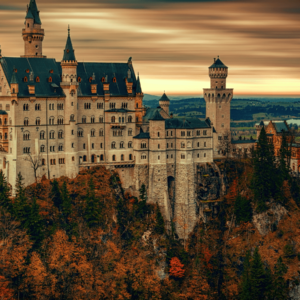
7, 107
188, 133
171, 145
204, 132
198, 132
182, 133
171, 133
167, 133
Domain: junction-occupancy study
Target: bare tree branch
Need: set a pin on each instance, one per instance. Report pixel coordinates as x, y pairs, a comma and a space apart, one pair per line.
35, 162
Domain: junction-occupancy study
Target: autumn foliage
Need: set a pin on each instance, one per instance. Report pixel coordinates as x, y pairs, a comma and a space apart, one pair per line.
176, 268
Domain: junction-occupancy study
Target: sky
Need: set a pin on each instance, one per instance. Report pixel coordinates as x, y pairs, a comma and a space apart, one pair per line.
173, 42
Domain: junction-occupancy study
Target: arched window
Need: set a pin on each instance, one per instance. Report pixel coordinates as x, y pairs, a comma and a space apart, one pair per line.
101, 157
43, 161
60, 147
37, 107
60, 121
72, 118
84, 157
130, 156
182, 145
92, 119
130, 119
51, 120
93, 132
50, 79
101, 132
130, 145
80, 132
113, 145
60, 134
114, 158
137, 105
5, 121
101, 120
51, 135
129, 132
113, 119
37, 79
84, 119
158, 134
122, 145
25, 107
122, 157
42, 135
25, 79
26, 136
26, 122
42, 148
38, 121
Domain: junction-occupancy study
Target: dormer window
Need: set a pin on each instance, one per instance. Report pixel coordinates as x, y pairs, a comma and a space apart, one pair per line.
37, 79
103, 79
90, 79
79, 79
50, 79
51, 71
114, 79
27, 71
25, 79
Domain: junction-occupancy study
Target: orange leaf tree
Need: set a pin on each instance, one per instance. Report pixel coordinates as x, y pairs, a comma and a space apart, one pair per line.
176, 268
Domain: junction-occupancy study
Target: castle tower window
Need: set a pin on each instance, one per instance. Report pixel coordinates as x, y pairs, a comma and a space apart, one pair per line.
182, 133
103, 79
99, 105
83, 146
113, 119
182, 156
204, 144
37, 107
38, 78
130, 132
122, 119
119, 120
204, 154
171, 145
93, 145
113, 145
38, 121
114, 158
25, 79
182, 145
167, 145
130, 119
158, 134
60, 147
130, 156
171, 133
25, 107
130, 145
137, 105
42, 135
122, 157
101, 132
93, 132
60, 121
43, 162
122, 145
172, 157
72, 118
26, 136
84, 157
158, 157
5, 121
101, 157
42, 149
198, 144
188, 133
158, 146
26, 122
60, 134
72, 145
92, 119
198, 155
79, 79
26, 150
52, 135
101, 120
222, 125
101, 145
84, 119
137, 119
5, 135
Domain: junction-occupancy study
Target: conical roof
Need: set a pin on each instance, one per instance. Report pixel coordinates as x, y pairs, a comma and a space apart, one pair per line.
218, 64
138, 86
164, 98
69, 51
13, 78
33, 12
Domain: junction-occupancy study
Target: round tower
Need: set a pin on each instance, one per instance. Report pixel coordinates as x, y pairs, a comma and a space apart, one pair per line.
218, 73
164, 103
33, 34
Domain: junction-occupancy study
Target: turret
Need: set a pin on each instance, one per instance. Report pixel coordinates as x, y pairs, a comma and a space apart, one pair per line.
218, 73
164, 103
33, 34
14, 86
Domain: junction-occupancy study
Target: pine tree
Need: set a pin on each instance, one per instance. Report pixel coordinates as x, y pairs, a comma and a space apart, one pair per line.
20, 206
242, 209
245, 287
34, 225
56, 195
141, 209
66, 204
257, 277
93, 207
160, 223
280, 290
5, 194
264, 181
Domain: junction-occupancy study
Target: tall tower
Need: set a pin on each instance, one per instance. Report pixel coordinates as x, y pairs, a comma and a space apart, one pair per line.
69, 85
218, 100
164, 103
33, 34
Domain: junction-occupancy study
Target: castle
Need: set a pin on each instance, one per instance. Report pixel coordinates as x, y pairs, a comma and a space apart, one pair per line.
59, 117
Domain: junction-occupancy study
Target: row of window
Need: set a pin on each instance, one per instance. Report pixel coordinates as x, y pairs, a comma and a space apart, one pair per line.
7, 107
188, 133
5, 136
113, 145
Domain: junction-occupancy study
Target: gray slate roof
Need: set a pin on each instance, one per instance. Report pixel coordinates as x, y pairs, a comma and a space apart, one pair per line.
218, 64
156, 116
142, 135
138, 86
3, 112
187, 123
164, 98
41, 67
121, 110
280, 126
13, 78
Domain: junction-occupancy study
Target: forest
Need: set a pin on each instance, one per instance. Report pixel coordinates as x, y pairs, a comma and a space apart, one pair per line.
85, 238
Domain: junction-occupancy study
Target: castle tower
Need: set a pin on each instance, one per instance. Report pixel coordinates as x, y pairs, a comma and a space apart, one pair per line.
69, 85
218, 99
139, 110
33, 34
164, 103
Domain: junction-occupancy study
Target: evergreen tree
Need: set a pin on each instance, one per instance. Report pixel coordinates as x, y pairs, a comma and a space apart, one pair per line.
284, 158
280, 289
242, 209
5, 193
20, 206
160, 223
34, 225
257, 277
56, 195
141, 209
66, 204
245, 287
264, 181
93, 207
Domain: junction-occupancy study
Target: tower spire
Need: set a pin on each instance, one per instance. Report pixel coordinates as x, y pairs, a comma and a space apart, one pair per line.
69, 53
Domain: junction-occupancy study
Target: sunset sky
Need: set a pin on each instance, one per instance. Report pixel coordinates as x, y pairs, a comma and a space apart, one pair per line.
173, 42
